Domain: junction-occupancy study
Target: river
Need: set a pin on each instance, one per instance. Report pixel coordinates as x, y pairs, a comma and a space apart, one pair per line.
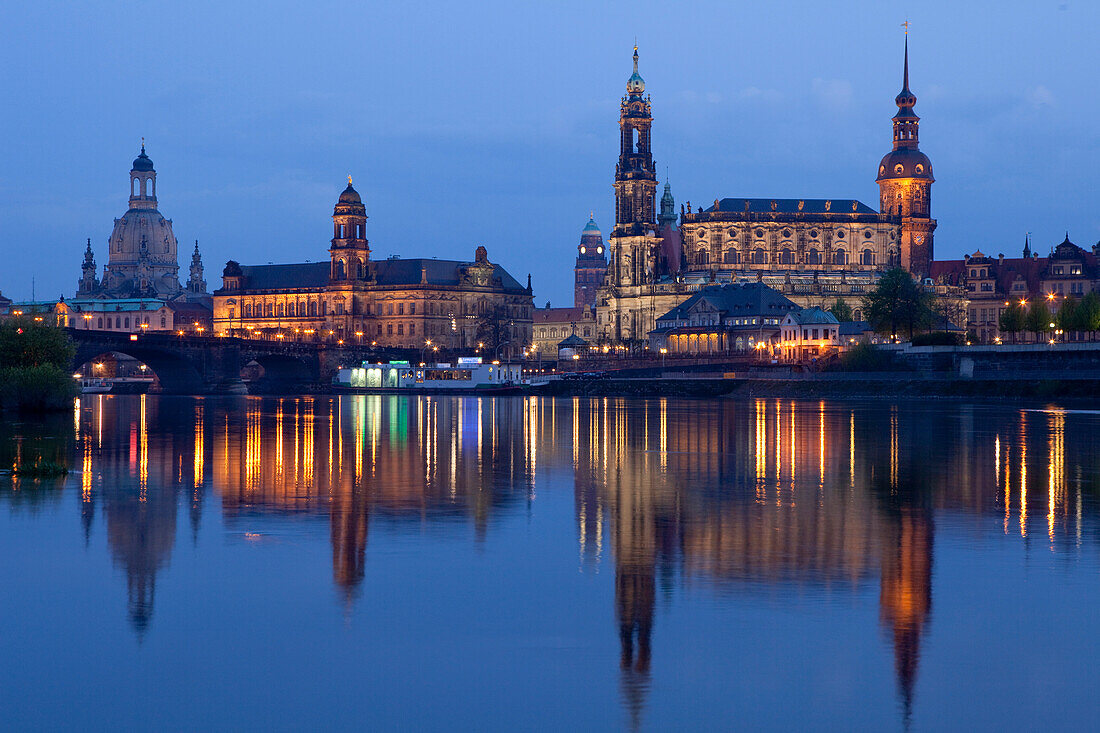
447, 563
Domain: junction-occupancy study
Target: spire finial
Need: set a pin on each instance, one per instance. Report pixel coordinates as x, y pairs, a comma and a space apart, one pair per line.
349, 179
142, 143
905, 78
635, 54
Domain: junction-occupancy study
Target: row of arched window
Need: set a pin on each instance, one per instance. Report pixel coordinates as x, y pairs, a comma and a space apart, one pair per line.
286, 310
760, 256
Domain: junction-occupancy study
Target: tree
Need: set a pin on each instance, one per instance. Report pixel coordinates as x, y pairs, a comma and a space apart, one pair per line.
1088, 313
1066, 317
1038, 317
25, 342
1012, 319
494, 329
841, 310
898, 303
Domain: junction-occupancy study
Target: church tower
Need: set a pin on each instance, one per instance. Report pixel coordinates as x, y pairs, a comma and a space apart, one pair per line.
591, 266
350, 251
196, 284
633, 245
905, 183
88, 284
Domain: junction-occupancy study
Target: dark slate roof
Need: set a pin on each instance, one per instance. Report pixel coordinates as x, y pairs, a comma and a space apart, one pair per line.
854, 328
387, 272
790, 206
296, 275
742, 300
438, 272
572, 340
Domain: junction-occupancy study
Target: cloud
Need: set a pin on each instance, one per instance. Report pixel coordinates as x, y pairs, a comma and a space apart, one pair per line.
761, 95
834, 94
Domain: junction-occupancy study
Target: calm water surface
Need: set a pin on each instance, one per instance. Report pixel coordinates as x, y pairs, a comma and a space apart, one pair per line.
456, 563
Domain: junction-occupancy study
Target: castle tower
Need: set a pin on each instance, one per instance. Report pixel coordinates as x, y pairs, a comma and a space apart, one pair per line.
671, 251
591, 266
905, 183
88, 283
196, 284
350, 251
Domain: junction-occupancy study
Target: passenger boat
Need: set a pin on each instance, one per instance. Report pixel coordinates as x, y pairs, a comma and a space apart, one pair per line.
95, 385
469, 375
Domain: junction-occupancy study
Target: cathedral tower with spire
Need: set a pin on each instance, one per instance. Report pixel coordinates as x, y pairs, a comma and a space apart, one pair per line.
905, 183
634, 244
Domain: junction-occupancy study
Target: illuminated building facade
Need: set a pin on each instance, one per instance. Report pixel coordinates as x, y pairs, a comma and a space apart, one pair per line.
723, 319
992, 283
394, 302
814, 251
591, 266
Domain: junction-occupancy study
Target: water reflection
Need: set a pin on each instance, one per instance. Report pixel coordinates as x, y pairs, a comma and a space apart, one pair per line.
723, 497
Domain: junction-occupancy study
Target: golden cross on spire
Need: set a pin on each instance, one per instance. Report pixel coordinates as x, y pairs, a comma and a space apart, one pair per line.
591, 214
906, 26
349, 179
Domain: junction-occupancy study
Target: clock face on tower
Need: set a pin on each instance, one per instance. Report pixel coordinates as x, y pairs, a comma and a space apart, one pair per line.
919, 239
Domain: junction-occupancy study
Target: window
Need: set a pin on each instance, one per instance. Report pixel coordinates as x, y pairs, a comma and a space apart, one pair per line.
313, 308
412, 309
389, 329
341, 272
389, 309
813, 257
840, 257
267, 310
412, 329
701, 257
867, 258
247, 310
759, 257
731, 257
400, 309
400, 329
785, 257
340, 308
99, 323
280, 310
127, 322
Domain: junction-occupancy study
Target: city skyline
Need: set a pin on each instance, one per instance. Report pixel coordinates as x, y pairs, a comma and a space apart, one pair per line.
497, 153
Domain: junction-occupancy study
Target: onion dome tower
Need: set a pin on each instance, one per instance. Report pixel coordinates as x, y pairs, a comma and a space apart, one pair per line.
591, 265
350, 251
905, 182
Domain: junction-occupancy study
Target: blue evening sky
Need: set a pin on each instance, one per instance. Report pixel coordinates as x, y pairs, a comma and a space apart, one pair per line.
495, 123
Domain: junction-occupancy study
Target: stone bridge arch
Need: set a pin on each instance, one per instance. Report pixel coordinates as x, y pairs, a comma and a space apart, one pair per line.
183, 366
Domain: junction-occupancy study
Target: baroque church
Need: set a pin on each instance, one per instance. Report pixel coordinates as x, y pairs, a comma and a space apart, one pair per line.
814, 251
142, 259
140, 289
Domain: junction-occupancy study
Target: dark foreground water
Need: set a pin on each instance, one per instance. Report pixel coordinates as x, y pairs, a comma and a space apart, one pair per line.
451, 563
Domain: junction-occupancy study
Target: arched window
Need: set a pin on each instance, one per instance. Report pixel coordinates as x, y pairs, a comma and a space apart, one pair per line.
247, 310
701, 257
840, 257
359, 269
313, 308
267, 310
813, 257
785, 257
867, 258
759, 256
341, 272
731, 256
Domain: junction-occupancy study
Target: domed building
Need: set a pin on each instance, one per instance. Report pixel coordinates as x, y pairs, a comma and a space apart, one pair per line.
142, 254
591, 266
140, 288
